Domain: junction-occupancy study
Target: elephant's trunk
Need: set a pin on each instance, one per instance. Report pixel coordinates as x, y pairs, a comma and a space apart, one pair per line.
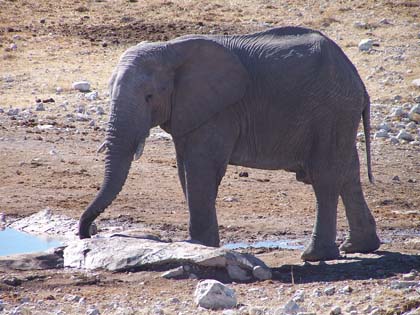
117, 166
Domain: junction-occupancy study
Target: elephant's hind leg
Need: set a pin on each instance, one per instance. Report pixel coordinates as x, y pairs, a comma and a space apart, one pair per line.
362, 237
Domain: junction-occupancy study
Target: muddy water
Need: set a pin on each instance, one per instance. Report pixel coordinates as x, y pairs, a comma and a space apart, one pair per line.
16, 242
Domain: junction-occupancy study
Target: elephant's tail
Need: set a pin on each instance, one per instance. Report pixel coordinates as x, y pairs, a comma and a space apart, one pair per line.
366, 128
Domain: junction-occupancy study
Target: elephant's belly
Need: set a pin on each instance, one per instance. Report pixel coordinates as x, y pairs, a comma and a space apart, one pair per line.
246, 158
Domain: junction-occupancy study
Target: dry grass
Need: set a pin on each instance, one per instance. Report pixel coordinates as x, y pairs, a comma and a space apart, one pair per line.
55, 46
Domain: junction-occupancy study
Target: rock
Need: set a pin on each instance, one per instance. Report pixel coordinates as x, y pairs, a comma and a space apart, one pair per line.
12, 281
375, 311
173, 273
409, 276
416, 83
336, 310
299, 296
394, 140
58, 90
365, 44
256, 310
384, 126
123, 252
398, 112
404, 135
13, 46
381, 134
80, 109
230, 199
212, 294
291, 308
100, 110
317, 292
92, 96
82, 117
414, 113
13, 112
39, 107
411, 125
329, 291
243, 174
404, 284
82, 86
359, 24
92, 311
262, 273
346, 290
237, 273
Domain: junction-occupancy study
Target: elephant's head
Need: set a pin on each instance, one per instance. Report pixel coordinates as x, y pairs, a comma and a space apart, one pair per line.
180, 83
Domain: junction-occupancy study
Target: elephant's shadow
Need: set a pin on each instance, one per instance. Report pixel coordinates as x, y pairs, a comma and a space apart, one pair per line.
355, 267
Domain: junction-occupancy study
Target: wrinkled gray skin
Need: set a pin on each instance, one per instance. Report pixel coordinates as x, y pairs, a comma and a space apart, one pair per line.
287, 98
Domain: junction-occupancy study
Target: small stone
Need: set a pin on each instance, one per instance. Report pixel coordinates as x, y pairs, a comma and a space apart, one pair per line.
12, 281
100, 110
416, 82
255, 310
359, 24
404, 135
414, 113
409, 276
92, 96
317, 292
39, 107
212, 294
291, 308
82, 117
329, 291
394, 140
398, 112
229, 312
299, 296
243, 174
92, 311
230, 199
375, 311
403, 284
262, 273
351, 308
173, 273
82, 86
58, 90
365, 44
384, 126
381, 134
411, 125
346, 290
396, 178
336, 310
13, 111
13, 46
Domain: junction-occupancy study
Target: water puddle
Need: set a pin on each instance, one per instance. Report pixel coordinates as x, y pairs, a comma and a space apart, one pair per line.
16, 242
279, 244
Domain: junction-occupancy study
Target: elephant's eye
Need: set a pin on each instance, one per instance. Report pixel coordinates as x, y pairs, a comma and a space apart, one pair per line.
148, 97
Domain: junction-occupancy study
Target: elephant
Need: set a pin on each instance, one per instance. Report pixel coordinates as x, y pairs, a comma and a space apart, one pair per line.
287, 98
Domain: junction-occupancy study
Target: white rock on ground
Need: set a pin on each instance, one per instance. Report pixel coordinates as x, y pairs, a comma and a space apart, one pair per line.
404, 135
92, 96
365, 44
212, 294
291, 308
416, 82
414, 113
82, 86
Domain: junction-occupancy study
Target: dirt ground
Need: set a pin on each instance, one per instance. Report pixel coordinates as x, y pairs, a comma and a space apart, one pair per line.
58, 42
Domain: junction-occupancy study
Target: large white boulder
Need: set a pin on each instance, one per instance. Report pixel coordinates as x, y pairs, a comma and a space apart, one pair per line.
212, 294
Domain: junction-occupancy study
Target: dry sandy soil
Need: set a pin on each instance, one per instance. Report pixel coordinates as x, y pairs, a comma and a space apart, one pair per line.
58, 42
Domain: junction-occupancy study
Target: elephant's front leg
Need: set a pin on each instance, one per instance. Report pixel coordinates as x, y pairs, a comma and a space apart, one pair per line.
202, 165
322, 245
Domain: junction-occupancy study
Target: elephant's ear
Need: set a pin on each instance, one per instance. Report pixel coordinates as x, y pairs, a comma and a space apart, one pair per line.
208, 79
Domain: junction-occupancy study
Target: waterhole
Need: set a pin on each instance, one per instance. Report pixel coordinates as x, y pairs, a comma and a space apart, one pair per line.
16, 242
276, 244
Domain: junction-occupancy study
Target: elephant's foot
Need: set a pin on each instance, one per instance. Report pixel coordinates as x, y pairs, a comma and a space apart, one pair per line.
316, 252
208, 238
361, 244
